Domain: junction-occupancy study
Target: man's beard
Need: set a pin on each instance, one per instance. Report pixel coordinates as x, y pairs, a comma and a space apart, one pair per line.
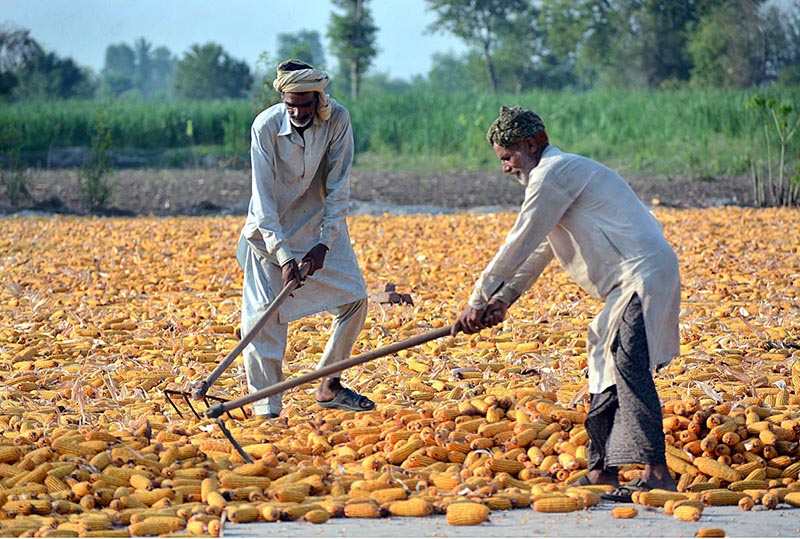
297, 123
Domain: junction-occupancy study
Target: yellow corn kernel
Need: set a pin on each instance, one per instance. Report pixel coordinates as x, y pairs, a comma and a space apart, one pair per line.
556, 504
466, 514
413, 507
624, 512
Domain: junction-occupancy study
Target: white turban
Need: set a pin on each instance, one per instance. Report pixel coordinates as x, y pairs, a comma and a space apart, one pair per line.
305, 80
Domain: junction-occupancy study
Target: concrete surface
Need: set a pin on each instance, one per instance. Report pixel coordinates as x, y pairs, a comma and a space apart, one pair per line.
596, 522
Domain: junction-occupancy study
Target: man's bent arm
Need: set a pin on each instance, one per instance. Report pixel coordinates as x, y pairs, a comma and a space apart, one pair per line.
542, 209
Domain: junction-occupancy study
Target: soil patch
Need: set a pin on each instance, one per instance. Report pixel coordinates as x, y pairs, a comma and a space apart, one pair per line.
215, 191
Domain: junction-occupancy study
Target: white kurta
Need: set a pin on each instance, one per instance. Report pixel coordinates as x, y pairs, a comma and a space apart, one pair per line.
606, 239
300, 197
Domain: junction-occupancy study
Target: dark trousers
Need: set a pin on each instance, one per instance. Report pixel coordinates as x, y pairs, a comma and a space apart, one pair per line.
624, 421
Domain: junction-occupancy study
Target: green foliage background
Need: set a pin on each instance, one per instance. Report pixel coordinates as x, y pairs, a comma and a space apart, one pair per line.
681, 132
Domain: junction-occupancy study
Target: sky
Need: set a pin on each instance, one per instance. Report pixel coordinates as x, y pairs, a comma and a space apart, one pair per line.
82, 29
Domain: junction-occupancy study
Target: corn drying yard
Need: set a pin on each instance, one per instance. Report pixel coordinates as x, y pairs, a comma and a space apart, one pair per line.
98, 316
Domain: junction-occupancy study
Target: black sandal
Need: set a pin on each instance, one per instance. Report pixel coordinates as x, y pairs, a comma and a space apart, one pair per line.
347, 399
624, 493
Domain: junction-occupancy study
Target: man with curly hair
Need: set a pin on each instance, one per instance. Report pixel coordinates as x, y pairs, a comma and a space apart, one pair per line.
585, 215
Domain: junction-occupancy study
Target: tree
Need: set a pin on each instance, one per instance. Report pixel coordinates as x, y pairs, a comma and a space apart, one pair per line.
352, 38
451, 73
46, 76
17, 48
728, 47
635, 43
783, 46
138, 70
304, 45
119, 69
479, 23
208, 72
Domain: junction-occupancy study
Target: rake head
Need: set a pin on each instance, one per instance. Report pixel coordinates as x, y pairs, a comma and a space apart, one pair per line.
188, 396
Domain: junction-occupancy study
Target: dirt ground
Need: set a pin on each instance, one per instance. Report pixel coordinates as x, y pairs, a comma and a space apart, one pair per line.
209, 191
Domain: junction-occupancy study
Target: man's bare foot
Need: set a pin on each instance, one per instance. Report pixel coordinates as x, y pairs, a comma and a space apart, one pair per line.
658, 476
328, 388
597, 476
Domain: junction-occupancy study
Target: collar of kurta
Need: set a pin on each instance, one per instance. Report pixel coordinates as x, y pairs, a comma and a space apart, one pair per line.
548, 152
286, 124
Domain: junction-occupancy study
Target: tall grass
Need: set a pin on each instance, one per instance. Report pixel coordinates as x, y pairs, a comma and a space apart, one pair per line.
682, 132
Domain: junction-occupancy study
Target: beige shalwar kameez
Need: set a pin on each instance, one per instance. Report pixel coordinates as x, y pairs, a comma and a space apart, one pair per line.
300, 197
606, 239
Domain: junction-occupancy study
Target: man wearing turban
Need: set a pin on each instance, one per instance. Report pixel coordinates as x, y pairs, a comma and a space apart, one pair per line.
301, 153
585, 215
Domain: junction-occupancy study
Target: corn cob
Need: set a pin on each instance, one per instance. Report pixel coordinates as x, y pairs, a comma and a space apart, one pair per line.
412, 507
624, 512
556, 504
710, 532
245, 512
687, 513
746, 503
466, 514
234, 480
509, 466
717, 469
770, 500
386, 495
400, 454
792, 498
721, 496
215, 498
657, 497
157, 526
316, 516
746, 484
364, 509
9, 453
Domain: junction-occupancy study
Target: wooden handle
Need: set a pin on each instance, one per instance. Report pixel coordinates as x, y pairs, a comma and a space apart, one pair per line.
219, 409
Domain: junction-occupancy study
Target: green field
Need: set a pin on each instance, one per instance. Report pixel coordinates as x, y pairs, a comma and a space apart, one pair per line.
689, 133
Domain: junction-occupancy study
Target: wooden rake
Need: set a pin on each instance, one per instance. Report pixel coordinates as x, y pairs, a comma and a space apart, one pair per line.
216, 410
199, 389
